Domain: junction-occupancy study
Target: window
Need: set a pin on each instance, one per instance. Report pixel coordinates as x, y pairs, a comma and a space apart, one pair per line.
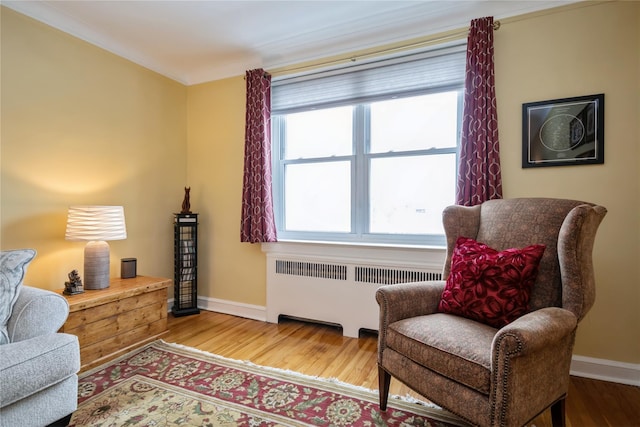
359, 158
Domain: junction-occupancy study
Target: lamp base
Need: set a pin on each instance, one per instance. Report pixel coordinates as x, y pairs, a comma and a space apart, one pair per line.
96, 265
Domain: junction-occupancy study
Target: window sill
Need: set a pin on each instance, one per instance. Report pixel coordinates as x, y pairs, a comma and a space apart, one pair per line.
420, 256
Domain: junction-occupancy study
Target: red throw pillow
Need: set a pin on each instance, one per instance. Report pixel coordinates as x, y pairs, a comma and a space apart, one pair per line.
489, 286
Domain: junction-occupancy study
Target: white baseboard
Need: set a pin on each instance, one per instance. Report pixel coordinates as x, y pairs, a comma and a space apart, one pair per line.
581, 366
248, 311
606, 370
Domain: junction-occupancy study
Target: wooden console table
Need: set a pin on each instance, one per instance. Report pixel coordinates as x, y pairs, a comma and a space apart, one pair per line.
110, 322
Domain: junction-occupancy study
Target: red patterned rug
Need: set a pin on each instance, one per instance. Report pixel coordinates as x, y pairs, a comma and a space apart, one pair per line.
166, 384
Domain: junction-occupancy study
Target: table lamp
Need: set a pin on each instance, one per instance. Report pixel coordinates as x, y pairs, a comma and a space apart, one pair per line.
96, 224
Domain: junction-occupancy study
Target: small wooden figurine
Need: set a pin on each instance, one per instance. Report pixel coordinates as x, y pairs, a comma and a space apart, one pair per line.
186, 203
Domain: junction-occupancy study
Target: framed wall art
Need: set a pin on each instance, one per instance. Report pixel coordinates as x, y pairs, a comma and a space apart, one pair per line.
568, 131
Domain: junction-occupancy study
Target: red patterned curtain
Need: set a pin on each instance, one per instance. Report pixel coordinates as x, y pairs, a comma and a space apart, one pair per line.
258, 224
479, 177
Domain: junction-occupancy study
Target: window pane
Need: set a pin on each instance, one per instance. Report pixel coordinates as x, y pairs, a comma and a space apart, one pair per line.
319, 133
318, 197
408, 194
415, 123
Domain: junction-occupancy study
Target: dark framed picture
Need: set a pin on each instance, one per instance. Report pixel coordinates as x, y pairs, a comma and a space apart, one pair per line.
560, 132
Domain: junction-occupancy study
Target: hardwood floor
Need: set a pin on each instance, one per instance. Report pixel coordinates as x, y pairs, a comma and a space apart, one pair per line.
321, 350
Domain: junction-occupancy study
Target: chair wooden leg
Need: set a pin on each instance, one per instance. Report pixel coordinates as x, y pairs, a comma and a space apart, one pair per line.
558, 413
384, 380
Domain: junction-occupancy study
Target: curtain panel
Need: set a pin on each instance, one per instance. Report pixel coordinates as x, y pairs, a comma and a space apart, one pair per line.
257, 223
479, 177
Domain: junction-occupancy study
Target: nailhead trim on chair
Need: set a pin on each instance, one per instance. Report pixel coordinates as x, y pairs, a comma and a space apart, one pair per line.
383, 328
506, 372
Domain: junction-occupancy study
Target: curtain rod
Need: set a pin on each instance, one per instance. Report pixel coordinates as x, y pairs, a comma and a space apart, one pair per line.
354, 58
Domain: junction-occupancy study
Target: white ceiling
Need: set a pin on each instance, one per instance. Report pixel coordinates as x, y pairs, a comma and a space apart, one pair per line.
197, 41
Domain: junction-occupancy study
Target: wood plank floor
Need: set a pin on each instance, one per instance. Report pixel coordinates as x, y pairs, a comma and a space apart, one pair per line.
321, 350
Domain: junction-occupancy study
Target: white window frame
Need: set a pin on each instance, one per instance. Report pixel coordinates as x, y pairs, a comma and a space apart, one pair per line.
360, 160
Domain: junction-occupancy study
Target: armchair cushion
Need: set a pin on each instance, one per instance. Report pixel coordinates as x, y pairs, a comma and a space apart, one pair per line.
30, 366
13, 265
490, 286
453, 346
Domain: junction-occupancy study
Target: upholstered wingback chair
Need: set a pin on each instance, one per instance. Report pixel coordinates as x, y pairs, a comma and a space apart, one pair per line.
495, 371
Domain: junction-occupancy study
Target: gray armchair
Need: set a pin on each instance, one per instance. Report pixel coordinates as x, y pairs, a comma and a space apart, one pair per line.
496, 375
38, 367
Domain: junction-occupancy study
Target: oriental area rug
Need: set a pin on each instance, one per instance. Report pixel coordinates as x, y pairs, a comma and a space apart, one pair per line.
165, 384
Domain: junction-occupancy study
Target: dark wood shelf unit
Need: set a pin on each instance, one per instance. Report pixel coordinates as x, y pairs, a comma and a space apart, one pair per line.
185, 286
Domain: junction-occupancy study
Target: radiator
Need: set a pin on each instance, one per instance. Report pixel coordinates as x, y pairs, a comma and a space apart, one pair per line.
333, 291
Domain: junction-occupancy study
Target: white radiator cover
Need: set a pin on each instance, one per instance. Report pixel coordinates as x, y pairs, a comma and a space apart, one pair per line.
329, 286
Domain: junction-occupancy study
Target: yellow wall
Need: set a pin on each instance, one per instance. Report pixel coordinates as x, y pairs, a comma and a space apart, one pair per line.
582, 51
228, 269
83, 126
568, 52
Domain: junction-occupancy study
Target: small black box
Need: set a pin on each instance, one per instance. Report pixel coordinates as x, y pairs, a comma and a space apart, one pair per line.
128, 268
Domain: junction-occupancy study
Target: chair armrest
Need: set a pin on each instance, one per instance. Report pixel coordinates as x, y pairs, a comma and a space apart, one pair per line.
406, 300
30, 366
36, 312
532, 353
534, 331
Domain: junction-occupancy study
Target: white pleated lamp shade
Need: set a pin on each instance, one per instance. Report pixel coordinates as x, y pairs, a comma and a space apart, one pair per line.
96, 225
91, 223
